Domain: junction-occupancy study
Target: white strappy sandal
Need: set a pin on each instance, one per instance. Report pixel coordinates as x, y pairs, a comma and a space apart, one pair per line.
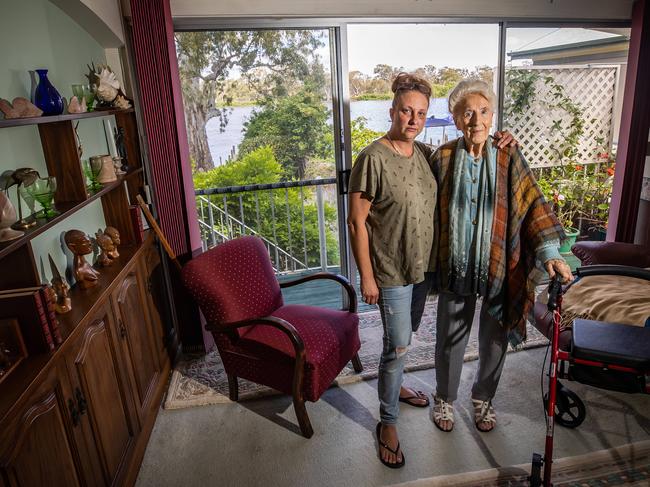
484, 413
442, 411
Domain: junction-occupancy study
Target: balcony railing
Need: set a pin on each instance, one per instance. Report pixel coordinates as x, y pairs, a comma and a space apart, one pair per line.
294, 219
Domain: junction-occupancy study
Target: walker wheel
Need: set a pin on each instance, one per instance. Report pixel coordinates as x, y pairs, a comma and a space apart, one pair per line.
570, 411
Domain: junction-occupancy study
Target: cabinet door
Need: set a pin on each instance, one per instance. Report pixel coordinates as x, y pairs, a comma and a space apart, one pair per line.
36, 443
136, 337
157, 301
99, 388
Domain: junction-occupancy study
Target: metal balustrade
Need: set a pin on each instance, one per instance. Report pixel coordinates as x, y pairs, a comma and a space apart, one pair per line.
265, 210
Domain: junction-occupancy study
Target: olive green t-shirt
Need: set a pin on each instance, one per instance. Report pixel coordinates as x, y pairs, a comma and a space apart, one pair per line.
402, 191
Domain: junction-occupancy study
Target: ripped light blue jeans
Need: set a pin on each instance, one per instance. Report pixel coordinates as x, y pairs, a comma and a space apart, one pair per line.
401, 309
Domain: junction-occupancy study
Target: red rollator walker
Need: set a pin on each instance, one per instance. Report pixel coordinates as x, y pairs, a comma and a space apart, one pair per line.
605, 355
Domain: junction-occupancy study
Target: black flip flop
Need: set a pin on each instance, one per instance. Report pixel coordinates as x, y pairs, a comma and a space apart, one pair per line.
418, 395
395, 451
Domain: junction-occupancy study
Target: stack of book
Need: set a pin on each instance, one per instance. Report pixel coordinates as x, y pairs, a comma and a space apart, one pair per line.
33, 307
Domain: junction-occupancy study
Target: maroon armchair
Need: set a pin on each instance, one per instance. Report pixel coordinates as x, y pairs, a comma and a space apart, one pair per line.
296, 349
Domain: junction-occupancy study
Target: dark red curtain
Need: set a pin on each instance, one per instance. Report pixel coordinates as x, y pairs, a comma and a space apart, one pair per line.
156, 68
633, 139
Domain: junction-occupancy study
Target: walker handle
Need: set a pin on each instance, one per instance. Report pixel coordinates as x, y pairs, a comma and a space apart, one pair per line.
554, 290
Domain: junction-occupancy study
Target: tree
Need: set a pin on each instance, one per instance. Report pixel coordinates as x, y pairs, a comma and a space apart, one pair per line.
295, 127
206, 59
266, 211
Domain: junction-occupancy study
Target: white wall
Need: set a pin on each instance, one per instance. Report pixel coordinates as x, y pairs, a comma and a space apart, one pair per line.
525, 9
102, 19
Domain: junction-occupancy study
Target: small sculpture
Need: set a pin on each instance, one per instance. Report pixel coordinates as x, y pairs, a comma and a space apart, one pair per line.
61, 289
75, 106
22, 108
115, 236
107, 247
80, 245
22, 176
118, 134
7, 218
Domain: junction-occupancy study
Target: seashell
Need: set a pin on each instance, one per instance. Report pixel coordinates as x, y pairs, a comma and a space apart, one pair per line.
75, 106
108, 86
22, 108
121, 102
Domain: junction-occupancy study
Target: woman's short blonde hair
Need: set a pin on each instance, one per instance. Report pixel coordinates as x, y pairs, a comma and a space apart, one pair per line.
404, 82
471, 87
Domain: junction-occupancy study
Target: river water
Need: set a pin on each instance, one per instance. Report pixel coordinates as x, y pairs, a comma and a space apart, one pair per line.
224, 144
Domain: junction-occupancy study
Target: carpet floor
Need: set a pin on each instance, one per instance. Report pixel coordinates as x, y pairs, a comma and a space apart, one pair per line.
201, 380
625, 465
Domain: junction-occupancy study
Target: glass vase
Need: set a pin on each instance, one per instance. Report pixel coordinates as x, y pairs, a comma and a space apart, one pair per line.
46, 97
42, 190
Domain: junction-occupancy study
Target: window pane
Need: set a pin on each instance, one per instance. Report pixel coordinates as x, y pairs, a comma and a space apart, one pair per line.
563, 97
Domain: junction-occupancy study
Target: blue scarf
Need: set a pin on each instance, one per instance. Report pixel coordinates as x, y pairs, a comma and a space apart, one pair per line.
469, 262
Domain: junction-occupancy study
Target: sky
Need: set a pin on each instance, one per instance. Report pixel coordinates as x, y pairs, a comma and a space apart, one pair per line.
454, 45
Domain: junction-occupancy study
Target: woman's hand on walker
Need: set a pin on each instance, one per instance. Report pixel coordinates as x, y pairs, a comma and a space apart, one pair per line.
369, 291
504, 139
560, 267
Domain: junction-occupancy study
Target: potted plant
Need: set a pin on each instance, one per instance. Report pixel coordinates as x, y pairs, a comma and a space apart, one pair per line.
561, 187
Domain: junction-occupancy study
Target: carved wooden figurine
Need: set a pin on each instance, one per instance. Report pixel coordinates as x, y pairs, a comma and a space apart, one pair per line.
61, 289
106, 247
80, 245
115, 236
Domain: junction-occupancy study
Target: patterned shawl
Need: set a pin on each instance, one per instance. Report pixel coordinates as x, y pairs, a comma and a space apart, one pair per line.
523, 221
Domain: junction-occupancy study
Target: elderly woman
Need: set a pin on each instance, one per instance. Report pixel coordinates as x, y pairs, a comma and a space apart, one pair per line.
391, 222
494, 225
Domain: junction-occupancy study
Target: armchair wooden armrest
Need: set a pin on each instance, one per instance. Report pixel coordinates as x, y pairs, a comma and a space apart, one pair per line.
352, 294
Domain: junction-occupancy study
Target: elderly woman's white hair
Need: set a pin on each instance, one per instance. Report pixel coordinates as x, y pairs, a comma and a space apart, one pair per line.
469, 87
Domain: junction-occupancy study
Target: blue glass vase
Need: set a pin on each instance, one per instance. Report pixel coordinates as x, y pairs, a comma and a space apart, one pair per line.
46, 97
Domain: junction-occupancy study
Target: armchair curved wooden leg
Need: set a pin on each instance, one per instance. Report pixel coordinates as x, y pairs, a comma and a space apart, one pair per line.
303, 419
233, 388
356, 363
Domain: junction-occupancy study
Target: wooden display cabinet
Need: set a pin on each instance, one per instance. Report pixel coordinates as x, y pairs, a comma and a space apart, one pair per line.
12, 347
82, 414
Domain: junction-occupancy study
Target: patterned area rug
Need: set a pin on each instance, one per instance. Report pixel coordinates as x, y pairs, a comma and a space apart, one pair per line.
201, 380
626, 465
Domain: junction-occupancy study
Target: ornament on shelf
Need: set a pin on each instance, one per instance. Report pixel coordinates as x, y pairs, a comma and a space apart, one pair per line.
75, 106
80, 245
106, 246
23, 176
115, 236
7, 218
46, 97
61, 289
107, 87
19, 108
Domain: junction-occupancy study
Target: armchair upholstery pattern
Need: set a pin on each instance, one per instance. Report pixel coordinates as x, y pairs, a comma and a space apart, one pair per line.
295, 349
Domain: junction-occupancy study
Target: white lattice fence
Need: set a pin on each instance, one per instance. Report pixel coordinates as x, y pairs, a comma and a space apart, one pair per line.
593, 88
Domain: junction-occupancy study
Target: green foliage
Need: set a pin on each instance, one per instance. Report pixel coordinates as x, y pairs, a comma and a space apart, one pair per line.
272, 63
266, 211
575, 189
362, 136
293, 126
378, 86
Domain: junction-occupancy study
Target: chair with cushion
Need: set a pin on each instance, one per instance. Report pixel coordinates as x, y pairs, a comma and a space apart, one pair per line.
296, 349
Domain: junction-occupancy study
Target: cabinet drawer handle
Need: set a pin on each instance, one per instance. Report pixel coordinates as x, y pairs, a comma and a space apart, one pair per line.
122, 329
74, 413
82, 404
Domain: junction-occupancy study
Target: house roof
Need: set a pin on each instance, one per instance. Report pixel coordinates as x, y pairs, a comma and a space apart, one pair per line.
563, 40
